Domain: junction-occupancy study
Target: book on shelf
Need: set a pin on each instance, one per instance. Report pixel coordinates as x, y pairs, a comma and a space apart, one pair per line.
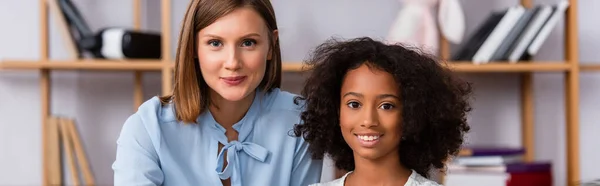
491, 150
497, 166
487, 160
515, 167
512, 34
558, 13
514, 174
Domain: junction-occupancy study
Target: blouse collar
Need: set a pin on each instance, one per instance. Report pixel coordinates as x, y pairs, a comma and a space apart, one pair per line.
233, 148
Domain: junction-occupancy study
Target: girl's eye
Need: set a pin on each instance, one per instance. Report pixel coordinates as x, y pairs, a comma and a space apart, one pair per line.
387, 106
249, 43
214, 43
353, 104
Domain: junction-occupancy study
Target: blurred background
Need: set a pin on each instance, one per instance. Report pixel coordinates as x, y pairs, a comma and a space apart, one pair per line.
99, 101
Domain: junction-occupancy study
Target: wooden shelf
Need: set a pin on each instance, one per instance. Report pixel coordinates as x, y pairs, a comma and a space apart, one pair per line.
292, 67
467, 66
139, 65
503, 66
156, 65
589, 67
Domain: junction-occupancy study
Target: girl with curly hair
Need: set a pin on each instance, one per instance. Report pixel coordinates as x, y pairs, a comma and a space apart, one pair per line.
386, 114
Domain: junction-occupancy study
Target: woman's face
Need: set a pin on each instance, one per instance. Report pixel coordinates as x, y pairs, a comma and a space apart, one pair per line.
370, 113
233, 53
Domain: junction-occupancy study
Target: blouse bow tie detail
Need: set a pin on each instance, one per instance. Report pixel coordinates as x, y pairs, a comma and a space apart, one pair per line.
233, 149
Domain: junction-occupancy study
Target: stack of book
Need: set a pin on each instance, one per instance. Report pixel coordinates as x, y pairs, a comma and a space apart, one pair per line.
497, 166
511, 34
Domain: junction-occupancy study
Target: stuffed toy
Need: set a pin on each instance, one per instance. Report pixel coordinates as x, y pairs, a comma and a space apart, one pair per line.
415, 24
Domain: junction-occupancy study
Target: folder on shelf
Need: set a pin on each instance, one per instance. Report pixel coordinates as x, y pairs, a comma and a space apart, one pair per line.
62, 135
513, 174
468, 49
496, 166
491, 150
517, 52
559, 12
511, 35
489, 46
510, 40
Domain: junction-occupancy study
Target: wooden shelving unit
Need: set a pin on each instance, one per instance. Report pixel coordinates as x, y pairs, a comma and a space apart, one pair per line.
569, 67
157, 65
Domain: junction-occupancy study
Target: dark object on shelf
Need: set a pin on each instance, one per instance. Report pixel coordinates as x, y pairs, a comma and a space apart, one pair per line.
110, 43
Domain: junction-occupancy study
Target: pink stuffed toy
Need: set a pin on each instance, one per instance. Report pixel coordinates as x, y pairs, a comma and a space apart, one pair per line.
416, 26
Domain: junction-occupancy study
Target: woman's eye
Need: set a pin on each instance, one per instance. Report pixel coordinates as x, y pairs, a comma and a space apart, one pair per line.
248, 43
387, 106
353, 104
214, 43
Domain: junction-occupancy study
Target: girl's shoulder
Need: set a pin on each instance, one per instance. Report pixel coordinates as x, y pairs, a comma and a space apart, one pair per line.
336, 182
416, 179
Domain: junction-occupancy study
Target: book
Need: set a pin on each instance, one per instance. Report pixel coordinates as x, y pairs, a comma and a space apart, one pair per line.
513, 34
487, 160
517, 52
558, 13
468, 49
515, 167
487, 49
491, 151
512, 174
530, 179
511, 39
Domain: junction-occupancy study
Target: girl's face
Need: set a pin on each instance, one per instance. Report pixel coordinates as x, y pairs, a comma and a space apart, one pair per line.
233, 52
370, 113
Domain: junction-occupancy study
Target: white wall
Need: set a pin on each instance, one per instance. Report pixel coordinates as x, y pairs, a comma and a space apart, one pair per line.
100, 101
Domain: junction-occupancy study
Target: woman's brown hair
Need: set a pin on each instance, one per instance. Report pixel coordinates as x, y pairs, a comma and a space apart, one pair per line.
190, 91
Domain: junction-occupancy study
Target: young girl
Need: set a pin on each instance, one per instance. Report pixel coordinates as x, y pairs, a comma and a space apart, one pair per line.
227, 122
384, 113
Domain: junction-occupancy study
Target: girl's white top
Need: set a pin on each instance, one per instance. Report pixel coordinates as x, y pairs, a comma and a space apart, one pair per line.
415, 179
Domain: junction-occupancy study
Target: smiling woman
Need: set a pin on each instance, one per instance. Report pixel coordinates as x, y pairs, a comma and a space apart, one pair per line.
233, 53
384, 113
227, 121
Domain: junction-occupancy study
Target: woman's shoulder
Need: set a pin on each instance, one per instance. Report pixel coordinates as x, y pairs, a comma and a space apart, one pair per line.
149, 117
416, 179
144, 126
153, 109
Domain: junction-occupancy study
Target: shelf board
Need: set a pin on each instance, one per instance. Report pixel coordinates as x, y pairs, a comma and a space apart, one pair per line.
156, 65
467, 66
589, 67
504, 66
292, 67
142, 65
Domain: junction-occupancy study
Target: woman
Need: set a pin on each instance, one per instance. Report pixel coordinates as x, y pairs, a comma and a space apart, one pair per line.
227, 122
384, 113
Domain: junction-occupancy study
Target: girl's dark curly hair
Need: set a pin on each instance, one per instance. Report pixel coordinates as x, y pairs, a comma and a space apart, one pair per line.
434, 102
